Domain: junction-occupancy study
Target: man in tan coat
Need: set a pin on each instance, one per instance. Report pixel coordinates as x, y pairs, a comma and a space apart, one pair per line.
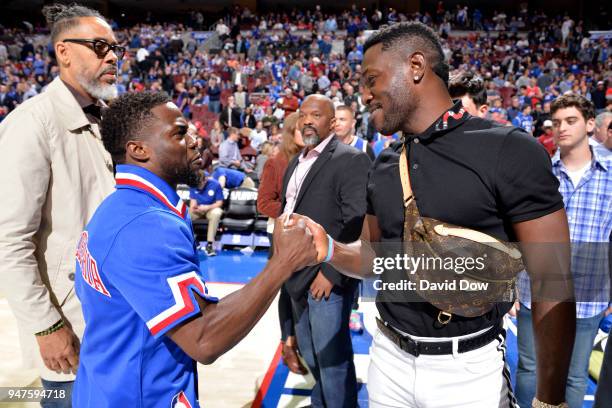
54, 172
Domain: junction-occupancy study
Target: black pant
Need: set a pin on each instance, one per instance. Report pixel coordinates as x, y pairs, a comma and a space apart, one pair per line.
285, 314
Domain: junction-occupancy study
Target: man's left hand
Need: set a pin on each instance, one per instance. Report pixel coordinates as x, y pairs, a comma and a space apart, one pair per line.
321, 287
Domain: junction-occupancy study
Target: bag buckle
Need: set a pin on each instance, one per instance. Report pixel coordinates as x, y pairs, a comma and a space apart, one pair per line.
444, 317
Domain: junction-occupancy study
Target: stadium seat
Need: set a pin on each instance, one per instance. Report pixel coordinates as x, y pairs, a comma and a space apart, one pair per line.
241, 211
261, 223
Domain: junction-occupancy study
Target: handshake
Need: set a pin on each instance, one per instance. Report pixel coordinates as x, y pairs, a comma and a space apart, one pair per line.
298, 242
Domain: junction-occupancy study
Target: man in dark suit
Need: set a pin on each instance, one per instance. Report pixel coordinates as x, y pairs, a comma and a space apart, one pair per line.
231, 114
326, 182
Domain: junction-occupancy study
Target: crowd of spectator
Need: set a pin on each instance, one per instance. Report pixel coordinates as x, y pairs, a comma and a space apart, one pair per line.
257, 68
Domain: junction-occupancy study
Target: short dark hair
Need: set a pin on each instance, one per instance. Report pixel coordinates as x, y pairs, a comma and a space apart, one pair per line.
61, 17
125, 117
586, 107
419, 36
467, 83
346, 108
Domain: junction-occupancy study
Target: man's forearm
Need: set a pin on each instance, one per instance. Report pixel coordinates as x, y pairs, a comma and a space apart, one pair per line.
229, 321
354, 260
554, 328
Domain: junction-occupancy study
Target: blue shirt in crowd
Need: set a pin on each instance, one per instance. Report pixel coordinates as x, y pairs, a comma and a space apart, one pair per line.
233, 178
209, 194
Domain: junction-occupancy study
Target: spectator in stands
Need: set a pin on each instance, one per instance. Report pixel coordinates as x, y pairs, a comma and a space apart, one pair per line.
229, 178
598, 96
182, 99
258, 135
514, 109
214, 96
241, 97
231, 115
289, 103
216, 134
602, 122
542, 114
206, 201
9, 97
546, 139
249, 119
586, 187
533, 90
468, 87
266, 150
229, 152
524, 120
222, 30
545, 80
345, 131
275, 135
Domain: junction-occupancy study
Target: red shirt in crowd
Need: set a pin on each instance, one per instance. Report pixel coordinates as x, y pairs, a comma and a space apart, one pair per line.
548, 142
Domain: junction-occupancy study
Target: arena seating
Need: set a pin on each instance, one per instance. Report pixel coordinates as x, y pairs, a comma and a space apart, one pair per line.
241, 224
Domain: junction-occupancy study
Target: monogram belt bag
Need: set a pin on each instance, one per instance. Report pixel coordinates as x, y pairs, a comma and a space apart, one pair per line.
462, 271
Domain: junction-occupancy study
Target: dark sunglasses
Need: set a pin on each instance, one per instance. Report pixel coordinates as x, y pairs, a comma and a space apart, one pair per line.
100, 47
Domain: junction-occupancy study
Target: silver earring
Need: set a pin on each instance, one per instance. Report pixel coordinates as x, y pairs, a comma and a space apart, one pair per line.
416, 78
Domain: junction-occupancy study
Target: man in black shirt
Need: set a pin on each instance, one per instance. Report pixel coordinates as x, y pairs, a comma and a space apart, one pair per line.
469, 172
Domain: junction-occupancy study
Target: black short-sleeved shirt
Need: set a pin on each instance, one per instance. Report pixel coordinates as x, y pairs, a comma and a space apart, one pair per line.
469, 172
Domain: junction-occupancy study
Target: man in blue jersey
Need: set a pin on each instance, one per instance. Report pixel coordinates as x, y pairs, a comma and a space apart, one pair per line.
524, 120
230, 178
345, 130
148, 314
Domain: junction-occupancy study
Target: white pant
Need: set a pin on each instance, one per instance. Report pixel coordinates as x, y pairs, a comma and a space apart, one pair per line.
476, 379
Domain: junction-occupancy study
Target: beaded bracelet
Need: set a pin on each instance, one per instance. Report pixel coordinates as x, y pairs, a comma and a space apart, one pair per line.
536, 403
51, 329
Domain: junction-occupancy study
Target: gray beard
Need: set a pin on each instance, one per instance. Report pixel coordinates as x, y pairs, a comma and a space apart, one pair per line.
311, 140
98, 90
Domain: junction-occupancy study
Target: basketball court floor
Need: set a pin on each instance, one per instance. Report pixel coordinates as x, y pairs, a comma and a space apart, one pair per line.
251, 374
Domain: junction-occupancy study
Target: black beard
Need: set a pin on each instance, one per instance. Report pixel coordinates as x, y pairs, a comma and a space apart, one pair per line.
188, 176
194, 178
401, 104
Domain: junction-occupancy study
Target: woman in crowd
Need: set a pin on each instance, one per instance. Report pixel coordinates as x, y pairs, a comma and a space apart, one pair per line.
266, 149
216, 134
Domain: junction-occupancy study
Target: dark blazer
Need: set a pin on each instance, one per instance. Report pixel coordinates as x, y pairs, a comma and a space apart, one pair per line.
333, 194
236, 117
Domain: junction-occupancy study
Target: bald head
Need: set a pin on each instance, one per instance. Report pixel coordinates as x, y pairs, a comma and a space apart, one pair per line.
316, 119
323, 102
